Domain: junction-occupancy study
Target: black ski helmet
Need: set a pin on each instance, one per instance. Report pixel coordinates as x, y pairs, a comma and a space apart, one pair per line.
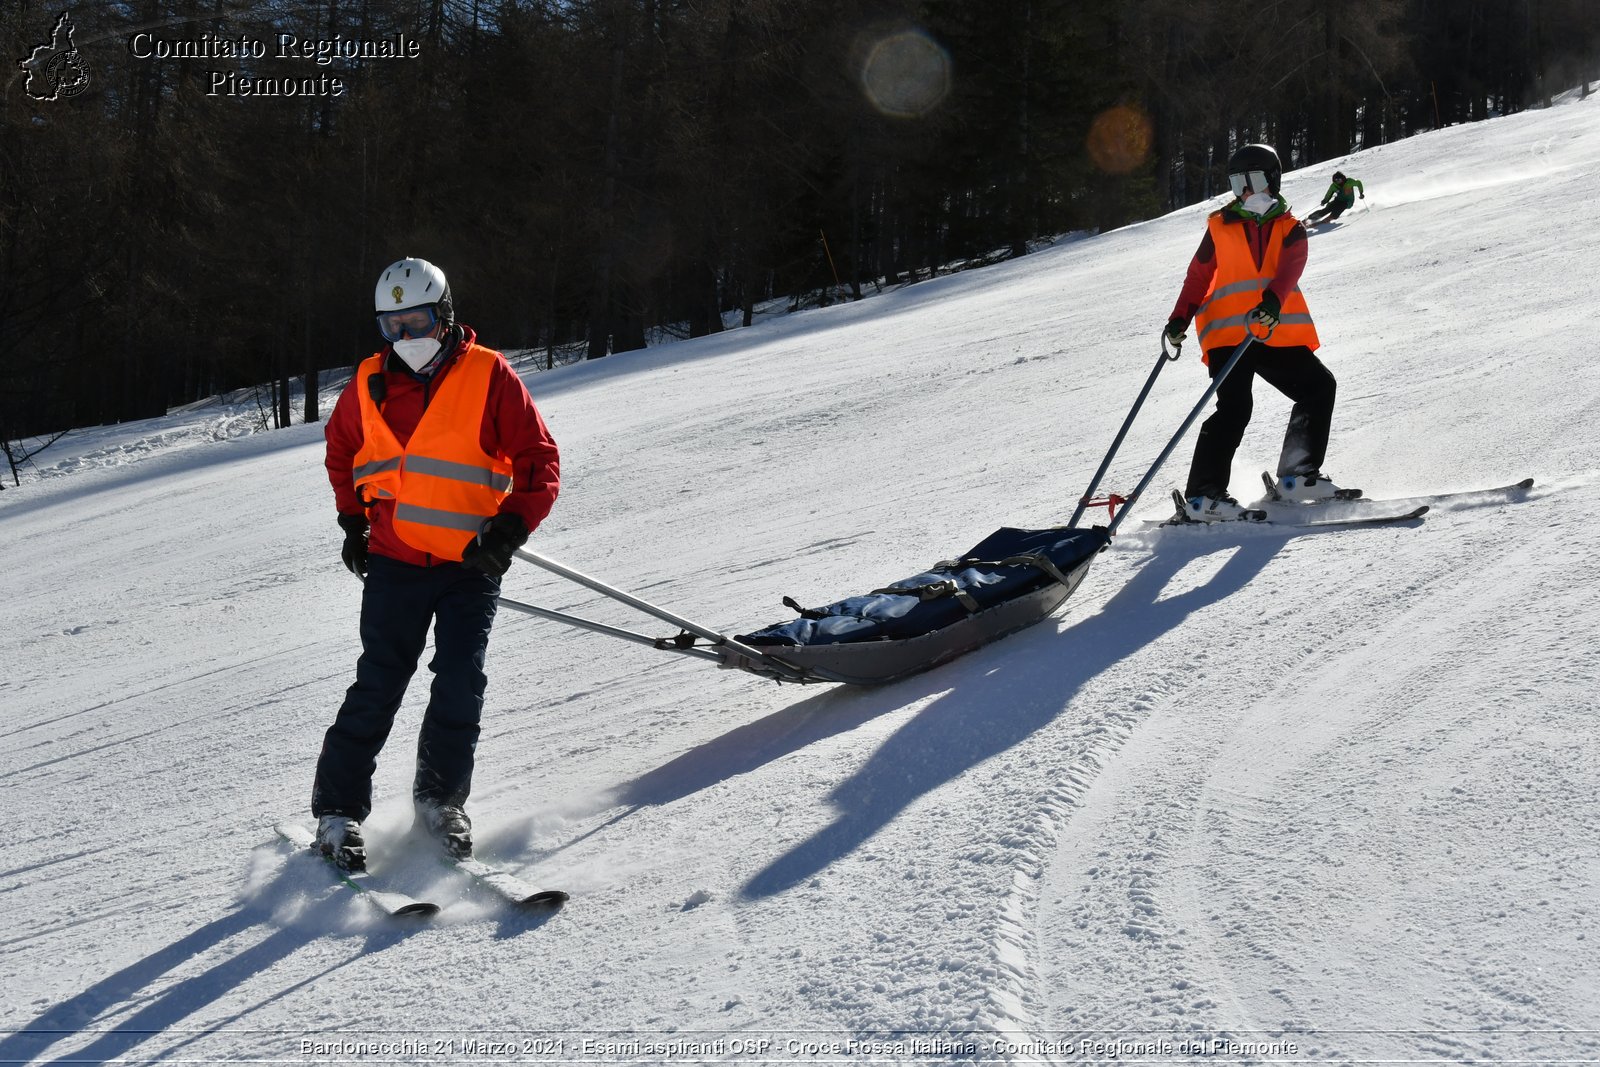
1247, 158
1338, 176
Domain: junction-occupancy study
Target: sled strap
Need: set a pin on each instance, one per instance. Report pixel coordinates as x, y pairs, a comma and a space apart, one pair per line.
1036, 559
683, 640
805, 613
933, 591
1041, 561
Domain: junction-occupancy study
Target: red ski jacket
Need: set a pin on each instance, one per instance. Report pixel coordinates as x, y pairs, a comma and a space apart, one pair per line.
511, 426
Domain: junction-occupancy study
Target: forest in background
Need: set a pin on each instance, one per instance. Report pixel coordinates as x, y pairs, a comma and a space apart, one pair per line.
594, 175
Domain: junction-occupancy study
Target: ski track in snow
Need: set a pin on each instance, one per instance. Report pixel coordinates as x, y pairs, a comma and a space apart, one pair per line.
1232, 830
1330, 788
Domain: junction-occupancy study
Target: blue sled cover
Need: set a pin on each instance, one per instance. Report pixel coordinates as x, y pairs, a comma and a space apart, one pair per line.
1009, 580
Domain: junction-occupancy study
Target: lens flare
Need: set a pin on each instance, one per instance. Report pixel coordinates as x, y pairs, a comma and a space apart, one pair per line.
1119, 139
906, 74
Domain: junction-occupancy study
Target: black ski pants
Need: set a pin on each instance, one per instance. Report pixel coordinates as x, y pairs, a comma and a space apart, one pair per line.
398, 605
1332, 211
1295, 372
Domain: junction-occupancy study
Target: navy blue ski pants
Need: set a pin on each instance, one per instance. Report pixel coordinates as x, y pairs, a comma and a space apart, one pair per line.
399, 603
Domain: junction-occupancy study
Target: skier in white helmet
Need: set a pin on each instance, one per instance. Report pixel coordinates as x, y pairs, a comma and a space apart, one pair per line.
441, 467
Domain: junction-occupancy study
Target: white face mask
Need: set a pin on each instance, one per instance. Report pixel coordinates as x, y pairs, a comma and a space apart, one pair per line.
417, 352
1259, 203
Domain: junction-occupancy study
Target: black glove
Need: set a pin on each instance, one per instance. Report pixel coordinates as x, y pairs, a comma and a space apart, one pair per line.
1268, 310
490, 552
1177, 332
354, 552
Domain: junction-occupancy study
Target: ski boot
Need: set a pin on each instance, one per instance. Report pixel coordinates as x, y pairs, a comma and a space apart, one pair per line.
1312, 488
339, 839
1217, 507
448, 826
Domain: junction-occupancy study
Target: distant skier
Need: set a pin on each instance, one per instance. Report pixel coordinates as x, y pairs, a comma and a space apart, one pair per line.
441, 467
1339, 198
1246, 272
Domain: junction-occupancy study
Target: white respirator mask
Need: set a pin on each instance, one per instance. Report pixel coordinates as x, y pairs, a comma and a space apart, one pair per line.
1259, 203
417, 352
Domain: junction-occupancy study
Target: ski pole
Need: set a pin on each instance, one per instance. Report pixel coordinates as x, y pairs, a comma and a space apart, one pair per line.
1094, 483
1233, 360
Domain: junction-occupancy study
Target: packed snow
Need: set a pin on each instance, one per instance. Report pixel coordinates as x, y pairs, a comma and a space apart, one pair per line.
1268, 795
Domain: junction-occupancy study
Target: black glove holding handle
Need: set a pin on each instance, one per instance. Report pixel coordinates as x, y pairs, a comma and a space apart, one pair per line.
491, 550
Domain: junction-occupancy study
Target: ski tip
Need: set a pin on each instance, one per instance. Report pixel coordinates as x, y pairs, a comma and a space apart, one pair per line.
548, 900
420, 909
1526, 483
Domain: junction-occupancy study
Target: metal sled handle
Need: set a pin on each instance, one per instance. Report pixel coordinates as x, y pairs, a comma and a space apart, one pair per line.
1194, 413
645, 606
1149, 383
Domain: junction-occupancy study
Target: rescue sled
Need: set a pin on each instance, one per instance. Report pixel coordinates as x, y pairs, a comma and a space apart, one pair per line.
1010, 580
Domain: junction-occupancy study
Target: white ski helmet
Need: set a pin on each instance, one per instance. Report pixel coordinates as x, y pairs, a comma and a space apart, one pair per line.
414, 283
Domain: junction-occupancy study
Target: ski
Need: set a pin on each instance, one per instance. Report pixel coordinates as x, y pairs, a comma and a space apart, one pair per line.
1470, 494
507, 885
1432, 498
1181, 519
395, 904
1357, 520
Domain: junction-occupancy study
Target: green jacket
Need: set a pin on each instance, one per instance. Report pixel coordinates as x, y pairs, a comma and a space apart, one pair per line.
1345, 192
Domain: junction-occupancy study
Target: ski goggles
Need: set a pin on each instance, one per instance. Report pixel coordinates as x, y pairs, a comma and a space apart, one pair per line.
412, 322
1251, 181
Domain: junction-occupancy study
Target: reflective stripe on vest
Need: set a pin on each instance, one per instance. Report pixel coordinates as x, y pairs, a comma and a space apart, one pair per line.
1224, 315
446, 520
461, 472
443, 484
367, 470
1233, 322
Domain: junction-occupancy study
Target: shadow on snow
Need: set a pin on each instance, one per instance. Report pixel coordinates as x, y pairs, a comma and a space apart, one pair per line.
995, 706
165, 1007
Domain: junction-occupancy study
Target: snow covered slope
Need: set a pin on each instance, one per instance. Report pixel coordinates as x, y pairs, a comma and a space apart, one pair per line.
1316, 796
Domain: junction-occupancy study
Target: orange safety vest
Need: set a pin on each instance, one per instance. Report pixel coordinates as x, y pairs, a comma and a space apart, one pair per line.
442, 482
1237, 286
